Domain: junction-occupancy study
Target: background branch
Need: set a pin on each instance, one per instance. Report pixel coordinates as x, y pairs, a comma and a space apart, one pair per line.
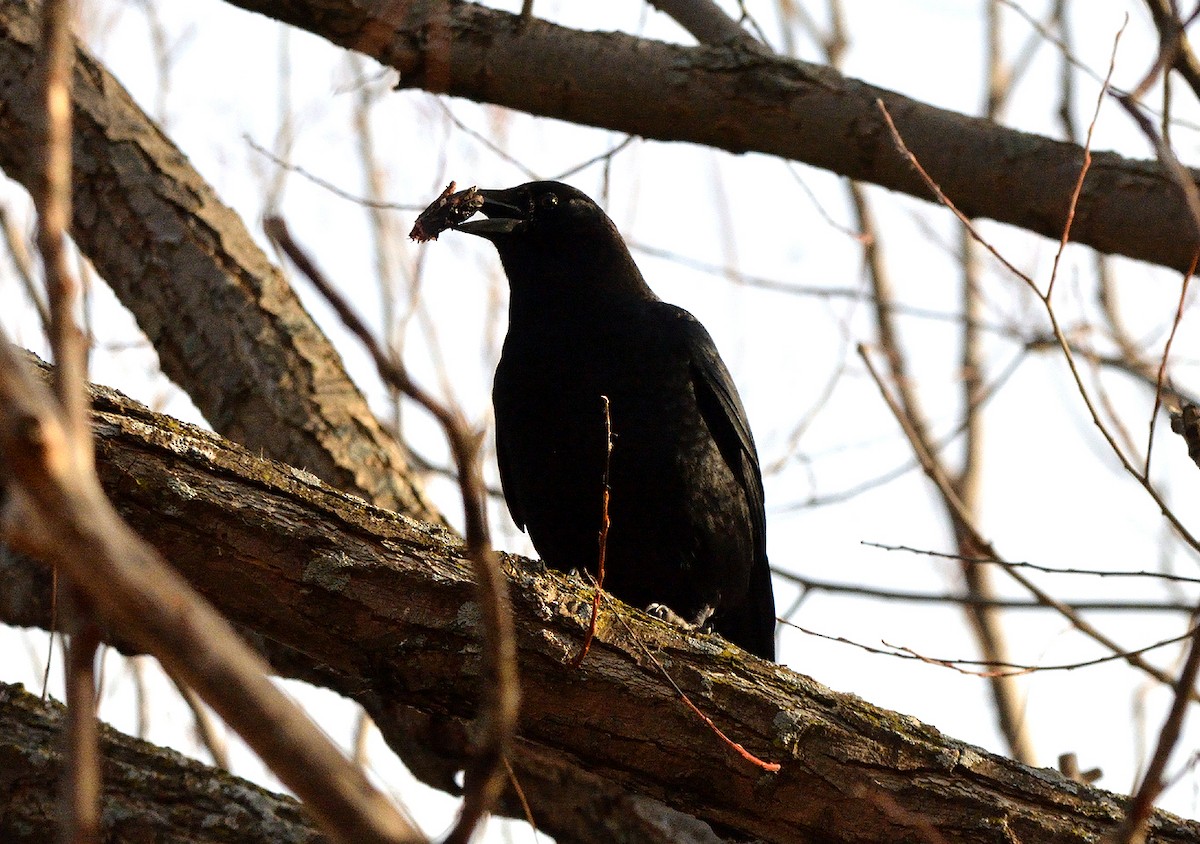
785, 107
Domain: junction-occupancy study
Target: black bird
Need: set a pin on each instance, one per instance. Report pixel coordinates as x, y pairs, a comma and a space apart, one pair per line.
688, 529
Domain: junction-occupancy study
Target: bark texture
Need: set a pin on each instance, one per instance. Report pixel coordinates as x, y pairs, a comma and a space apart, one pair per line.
227, 326
743, 100
150, 794
382, 609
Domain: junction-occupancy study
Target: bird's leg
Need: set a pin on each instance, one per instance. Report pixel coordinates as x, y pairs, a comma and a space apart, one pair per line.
665, 613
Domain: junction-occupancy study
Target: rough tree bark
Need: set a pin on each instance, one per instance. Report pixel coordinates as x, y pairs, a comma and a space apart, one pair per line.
382, 607
142, 788
225, 323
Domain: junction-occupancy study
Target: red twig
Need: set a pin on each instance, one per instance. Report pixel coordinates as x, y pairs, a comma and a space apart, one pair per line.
770, 767
603, 552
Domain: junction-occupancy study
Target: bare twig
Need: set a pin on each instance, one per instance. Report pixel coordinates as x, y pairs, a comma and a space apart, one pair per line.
24, 266
1010, 669
1174, 46
985, 621
1161, 380
500, 696
327, 185
603, 538
1193, 202
1068, 766
81, 786
707, 22
53, 201
1142, 804
205, 729
1158, 575
605, 156
859, 591
933, 470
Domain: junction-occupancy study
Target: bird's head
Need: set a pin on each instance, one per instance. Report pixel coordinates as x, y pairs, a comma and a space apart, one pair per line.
538, 212
553, 239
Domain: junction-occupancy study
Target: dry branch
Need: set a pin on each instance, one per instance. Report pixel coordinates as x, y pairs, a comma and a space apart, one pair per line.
743, 100
225, 323
382, 608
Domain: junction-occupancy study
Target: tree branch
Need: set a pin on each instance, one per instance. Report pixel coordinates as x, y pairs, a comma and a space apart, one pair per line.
143, 787
55, 510
225, 323
382, 608
743, 100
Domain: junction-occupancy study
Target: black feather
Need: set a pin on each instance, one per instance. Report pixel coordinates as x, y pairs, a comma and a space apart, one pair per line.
688, 526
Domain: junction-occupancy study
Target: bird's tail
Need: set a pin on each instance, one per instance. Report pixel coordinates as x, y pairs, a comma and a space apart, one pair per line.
752, 624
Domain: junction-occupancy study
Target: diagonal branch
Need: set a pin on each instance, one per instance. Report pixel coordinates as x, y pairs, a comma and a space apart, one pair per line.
742, 101
225, 323
382, 608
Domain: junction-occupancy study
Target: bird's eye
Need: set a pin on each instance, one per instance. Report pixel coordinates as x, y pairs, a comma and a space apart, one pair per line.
548, 200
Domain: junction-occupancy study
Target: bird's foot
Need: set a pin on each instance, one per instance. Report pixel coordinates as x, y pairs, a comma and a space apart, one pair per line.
665, 613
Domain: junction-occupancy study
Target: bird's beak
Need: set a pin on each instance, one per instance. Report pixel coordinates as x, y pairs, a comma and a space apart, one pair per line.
505, 211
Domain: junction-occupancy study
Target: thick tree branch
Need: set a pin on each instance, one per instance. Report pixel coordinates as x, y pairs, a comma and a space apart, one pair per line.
150, 794
225, 323
385, 606
743, 100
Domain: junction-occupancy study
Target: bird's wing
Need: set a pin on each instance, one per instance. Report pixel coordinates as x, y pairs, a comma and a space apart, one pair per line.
726, 418
504, 456
508, 480
753, 623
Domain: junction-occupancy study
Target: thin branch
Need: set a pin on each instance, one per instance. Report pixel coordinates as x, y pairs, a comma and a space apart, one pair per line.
1174, 44
986, 622
602, 553
707, 22
1006, 669
328, 185
1142, 804
500, 696
81, 787
205, 729
859, 591
1160, 383
769, 767
53, 200
933, 470
24, 266
1168, 576
1193, 202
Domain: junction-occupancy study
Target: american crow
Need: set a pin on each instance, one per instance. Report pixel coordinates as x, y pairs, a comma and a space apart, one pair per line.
688, 529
